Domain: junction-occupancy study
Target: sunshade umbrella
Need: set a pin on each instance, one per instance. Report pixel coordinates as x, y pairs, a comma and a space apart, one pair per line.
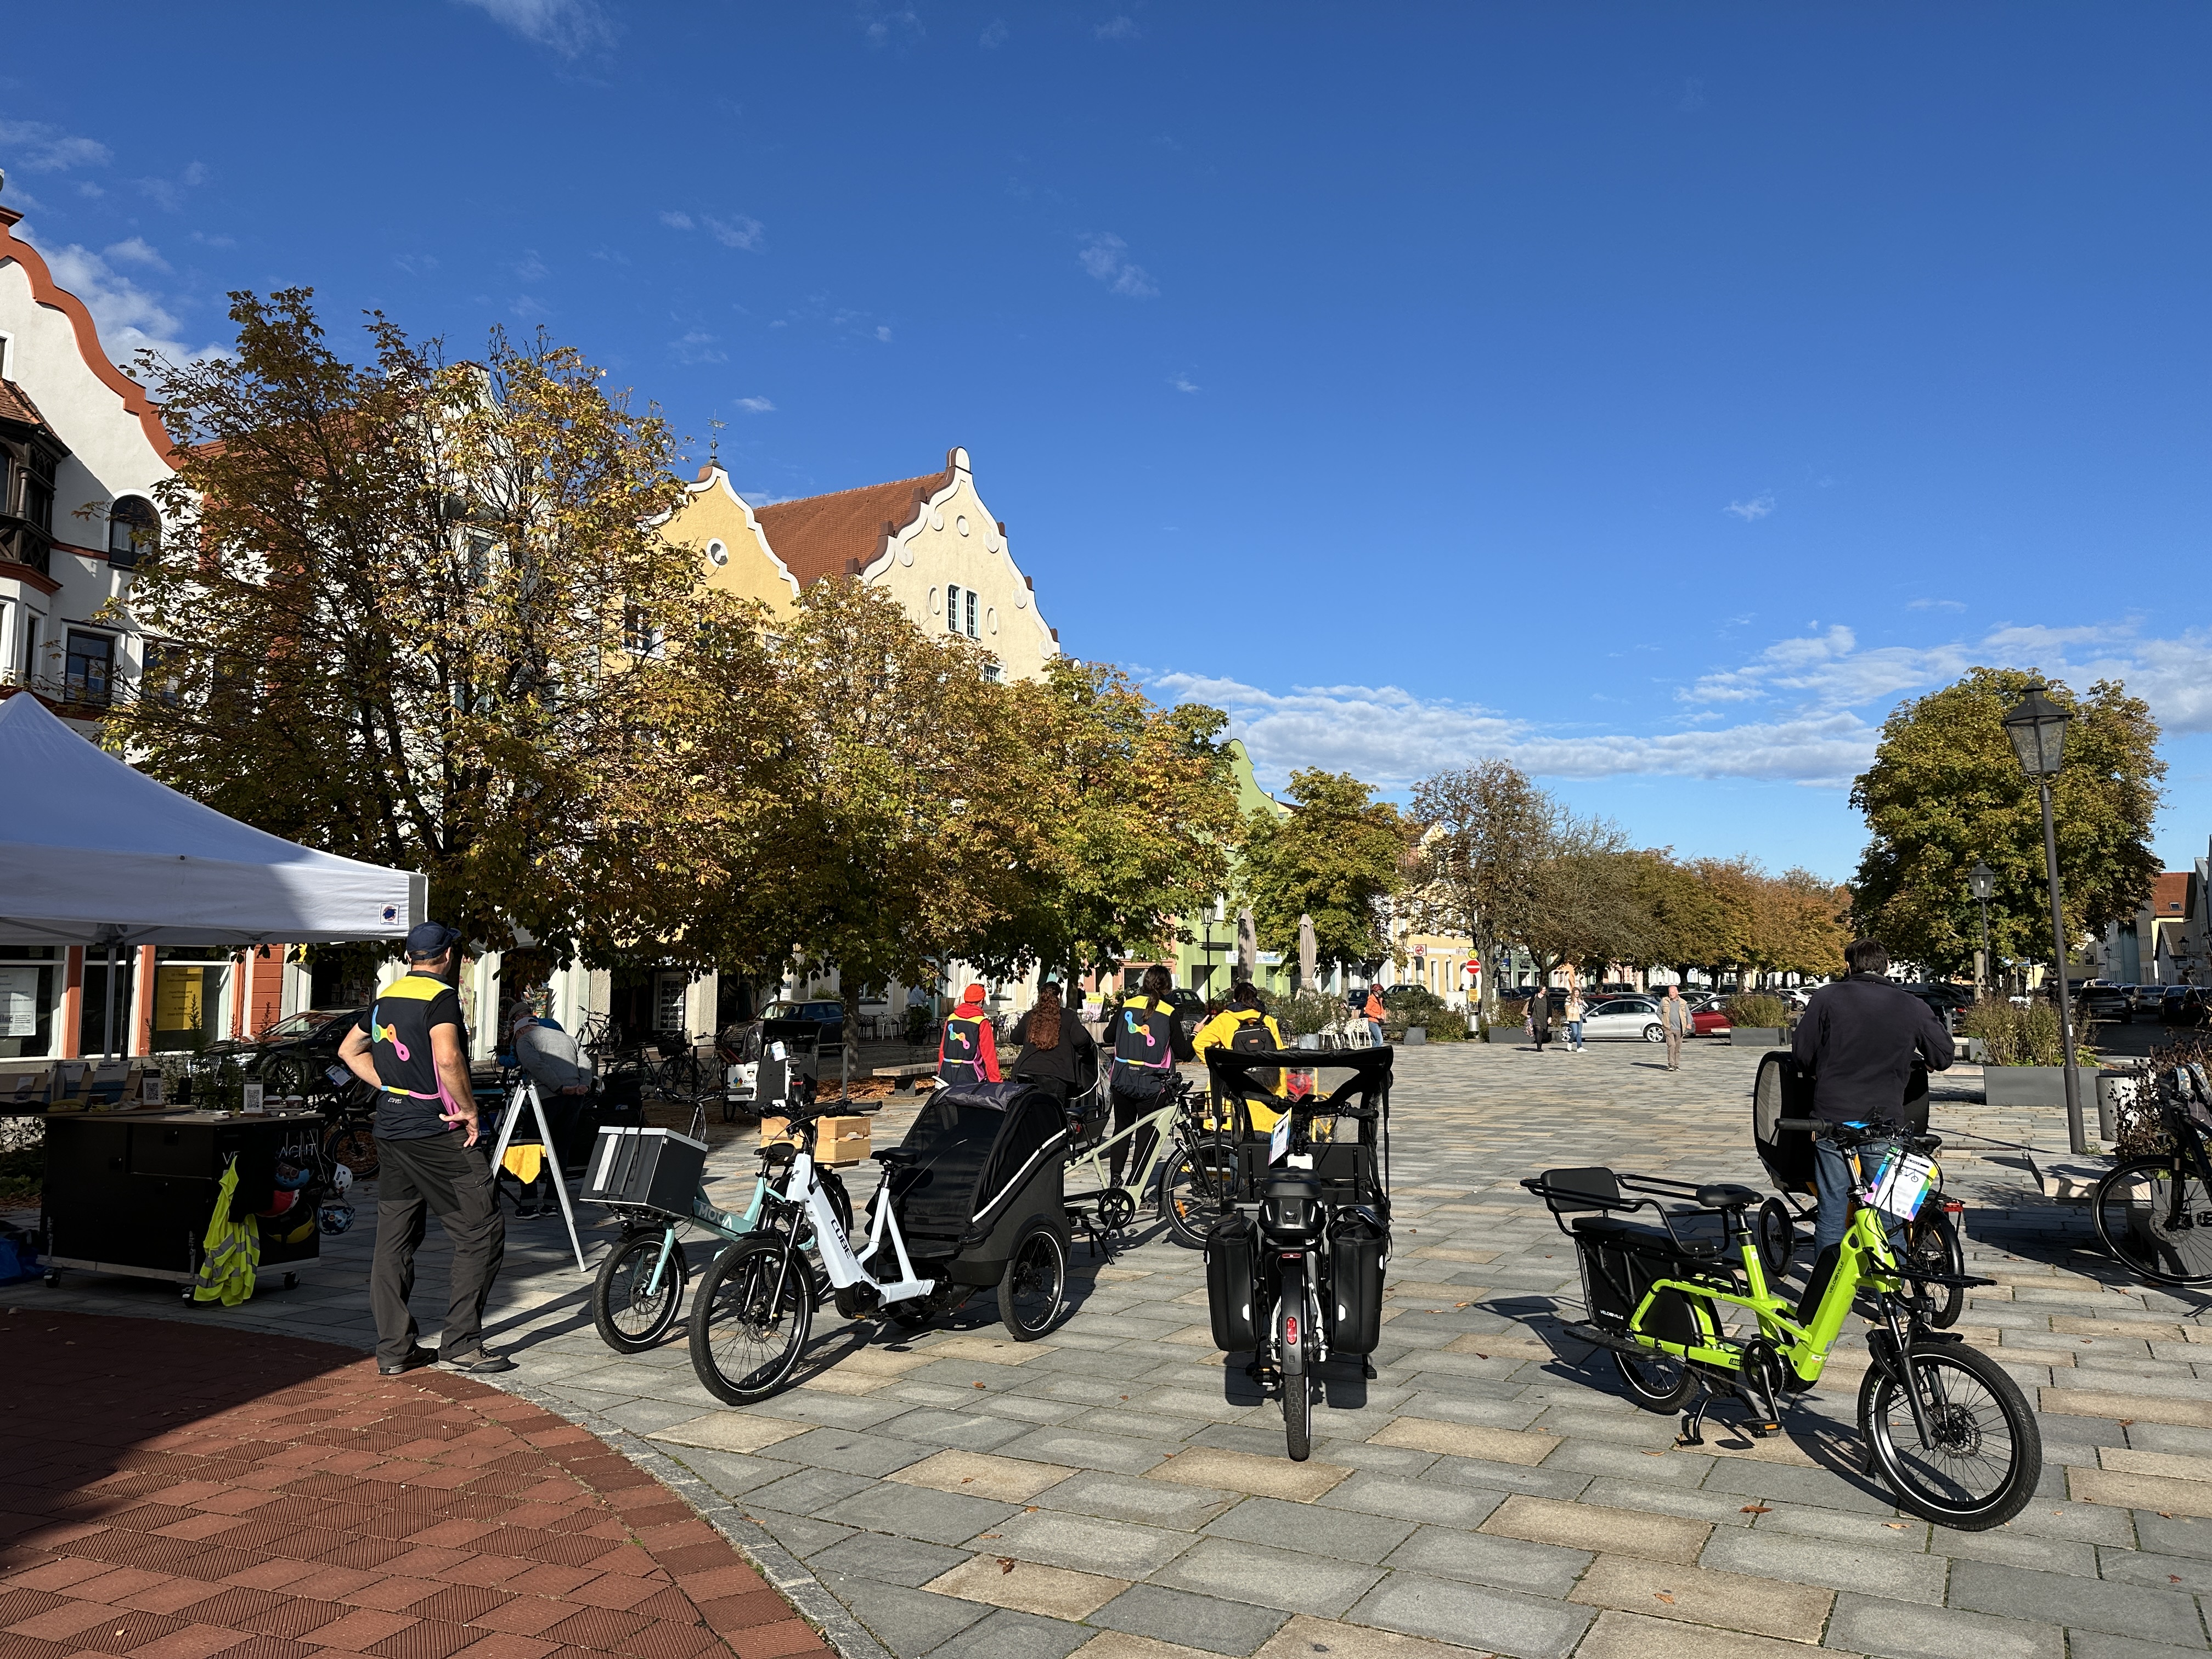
1307, 952
1248, 944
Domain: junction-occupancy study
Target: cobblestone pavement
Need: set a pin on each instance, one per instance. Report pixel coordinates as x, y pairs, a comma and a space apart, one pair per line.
1115, 1490
169, 1492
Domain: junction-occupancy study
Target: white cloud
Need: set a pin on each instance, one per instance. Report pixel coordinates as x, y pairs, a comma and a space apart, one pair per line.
136, 252
1757, 508
757, 405
994, 34
1182, 382
698, 347
530, 268
676, 221
206, 241
1106, 257
882, 331
129, 318
1937, 604
737, 231
568, 27
1121, 27
903, 24
37, 147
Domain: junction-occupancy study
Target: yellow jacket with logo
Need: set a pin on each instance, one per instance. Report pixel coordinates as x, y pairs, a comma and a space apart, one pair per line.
1218, 1032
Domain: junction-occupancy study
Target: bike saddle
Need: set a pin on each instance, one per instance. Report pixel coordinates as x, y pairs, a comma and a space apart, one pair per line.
1727, 1196
895, 1157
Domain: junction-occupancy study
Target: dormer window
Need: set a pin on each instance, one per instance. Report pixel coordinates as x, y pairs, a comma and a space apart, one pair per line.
134, 531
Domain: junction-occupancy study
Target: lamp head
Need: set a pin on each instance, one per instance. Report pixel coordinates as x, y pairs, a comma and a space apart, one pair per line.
1981, 880
2037, 726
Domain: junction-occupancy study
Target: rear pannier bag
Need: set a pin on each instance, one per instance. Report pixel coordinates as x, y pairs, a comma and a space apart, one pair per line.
1229, 1286
1356, 1248
1616, 1279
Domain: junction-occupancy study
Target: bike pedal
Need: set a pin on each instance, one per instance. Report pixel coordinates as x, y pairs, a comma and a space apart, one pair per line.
1762, 1429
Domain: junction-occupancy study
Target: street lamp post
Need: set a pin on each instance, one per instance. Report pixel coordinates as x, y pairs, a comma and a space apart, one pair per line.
1982, 881
2037, 726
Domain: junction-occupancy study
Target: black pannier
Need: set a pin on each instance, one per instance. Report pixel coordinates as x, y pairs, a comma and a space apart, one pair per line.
1229, 1285
1620, 1265
989, 1162
1357, 1246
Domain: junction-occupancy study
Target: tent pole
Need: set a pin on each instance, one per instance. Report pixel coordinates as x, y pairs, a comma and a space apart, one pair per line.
108, 1035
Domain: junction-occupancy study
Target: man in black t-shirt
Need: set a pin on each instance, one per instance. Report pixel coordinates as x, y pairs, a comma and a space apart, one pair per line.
411, 1047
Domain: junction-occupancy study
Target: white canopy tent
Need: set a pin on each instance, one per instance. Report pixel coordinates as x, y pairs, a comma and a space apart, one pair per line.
96, 854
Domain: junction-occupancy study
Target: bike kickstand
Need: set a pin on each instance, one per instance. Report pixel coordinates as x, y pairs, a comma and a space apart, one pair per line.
1367, 1370
1693, 1423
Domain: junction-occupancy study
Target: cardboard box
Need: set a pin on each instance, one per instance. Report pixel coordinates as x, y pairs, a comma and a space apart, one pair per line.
838, 1140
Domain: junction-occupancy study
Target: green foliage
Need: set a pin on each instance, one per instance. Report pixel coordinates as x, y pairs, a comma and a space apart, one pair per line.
1416, 1005
2013, 1035
1306, 1013
22, 1172
1759, 1012
1336, 858
1945, 790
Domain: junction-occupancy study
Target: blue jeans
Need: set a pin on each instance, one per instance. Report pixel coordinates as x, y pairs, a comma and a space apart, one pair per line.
1574, 1034
1375, 1032
1832, 1173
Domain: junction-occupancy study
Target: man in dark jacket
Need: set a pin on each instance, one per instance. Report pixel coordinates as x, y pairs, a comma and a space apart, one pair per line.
1857, 1040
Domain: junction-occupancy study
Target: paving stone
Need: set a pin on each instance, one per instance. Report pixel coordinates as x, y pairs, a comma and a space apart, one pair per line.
854, 1451
1467, 1440
1894, 1574
1591, 1527
727, 1473
2142, 1407
979, 1475
1236, 1471
1763, 1607
1722, 1509
2179, 1572
1411, 1500
892, 1560
1490, 1620
1028, 1586
1507, 1563
1008, 1634
1117, 1644
1633, 1636
1337, 1533
801, 1535
2167, 1535
2147, 1614
1907, 1630
2018, 1549
1204, 1622
1088, 1544
1847, 1526
935, 1517
1079, 1449
1503, 1477
731, 1431
928, 1426
809, 1490
2140, 1492
2096, 1644
1129, 1498
1266, 1577
1306, 1635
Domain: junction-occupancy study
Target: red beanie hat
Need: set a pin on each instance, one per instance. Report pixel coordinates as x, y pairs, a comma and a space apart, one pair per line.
973, 993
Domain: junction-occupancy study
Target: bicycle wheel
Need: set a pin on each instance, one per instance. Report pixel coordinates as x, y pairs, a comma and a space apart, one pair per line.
352, 1144
1776, 1232
631, 1318
1196, 1186
684, 1075
1986, 1453
1297, 1414
2155, 1217
1034, 1286
1656, 1381
745, 1339
1932, 1245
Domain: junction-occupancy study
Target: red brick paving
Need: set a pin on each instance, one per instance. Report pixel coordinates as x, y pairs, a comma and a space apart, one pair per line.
177, 1491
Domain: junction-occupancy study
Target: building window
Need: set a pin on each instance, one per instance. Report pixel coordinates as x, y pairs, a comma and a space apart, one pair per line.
479, 557
91, 664
159, 678
134, 531
969, 596
952, 608
31, 480
641, 638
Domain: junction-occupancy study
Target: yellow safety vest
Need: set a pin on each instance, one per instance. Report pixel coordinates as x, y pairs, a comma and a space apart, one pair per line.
231, 1251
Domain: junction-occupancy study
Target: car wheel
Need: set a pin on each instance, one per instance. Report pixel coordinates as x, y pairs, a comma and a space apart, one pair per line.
1655, 1033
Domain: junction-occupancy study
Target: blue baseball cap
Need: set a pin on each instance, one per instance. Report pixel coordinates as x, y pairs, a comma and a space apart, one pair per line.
429, 939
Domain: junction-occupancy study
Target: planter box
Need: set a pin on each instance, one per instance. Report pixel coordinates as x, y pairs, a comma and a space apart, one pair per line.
1757, 1036
2037, 1086
1415, 1034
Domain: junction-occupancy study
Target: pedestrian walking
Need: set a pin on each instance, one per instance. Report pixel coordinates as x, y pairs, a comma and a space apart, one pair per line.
1375, 1014
1148, 1043
1539, 1016
411, 1047
1677, 1021
968, 1052
1245, 1026
1058, 1055
1574, 1012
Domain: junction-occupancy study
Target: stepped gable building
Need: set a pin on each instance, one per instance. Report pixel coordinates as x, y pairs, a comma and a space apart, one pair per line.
930, 543
720, 525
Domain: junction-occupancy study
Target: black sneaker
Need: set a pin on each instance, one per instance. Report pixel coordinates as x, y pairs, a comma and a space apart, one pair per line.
481, 1363
418, 1356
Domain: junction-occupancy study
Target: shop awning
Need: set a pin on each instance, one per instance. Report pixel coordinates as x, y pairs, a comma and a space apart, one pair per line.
93, 853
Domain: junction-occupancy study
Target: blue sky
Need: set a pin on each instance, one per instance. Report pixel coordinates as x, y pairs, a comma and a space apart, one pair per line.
1653, 395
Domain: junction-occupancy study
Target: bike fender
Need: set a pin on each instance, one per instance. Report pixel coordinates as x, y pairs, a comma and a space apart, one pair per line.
1290, 1309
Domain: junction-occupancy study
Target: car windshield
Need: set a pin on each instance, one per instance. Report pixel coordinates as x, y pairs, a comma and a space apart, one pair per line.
300, 1025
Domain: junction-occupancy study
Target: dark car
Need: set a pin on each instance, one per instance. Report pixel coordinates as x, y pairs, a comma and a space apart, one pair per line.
2182, 1005
823, 1020
293, 1056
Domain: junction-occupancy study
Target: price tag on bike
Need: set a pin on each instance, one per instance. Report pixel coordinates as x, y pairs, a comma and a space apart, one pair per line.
1279, 1141
1900, 1185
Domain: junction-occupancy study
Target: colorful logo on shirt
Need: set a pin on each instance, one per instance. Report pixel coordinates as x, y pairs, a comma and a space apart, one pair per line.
391, 1033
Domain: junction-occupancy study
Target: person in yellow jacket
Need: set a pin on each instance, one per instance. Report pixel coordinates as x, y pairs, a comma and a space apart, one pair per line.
1243, 1026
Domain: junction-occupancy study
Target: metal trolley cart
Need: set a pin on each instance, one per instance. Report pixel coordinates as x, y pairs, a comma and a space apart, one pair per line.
1294, 1274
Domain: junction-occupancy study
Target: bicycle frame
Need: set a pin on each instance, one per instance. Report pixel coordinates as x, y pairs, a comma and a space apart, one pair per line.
715, 1220
802, 1192
1096, 1160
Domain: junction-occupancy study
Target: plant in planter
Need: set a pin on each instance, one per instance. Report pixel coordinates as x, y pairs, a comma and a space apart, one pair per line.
1415, 1004
1758, 1012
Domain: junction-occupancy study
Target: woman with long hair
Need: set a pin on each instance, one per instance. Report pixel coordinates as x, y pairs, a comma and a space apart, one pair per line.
1058, 1055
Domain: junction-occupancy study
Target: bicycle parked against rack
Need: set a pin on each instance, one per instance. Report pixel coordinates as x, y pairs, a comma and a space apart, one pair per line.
1950, 1432
2154, 1213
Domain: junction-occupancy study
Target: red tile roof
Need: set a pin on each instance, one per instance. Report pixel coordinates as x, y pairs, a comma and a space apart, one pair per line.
15, 404
819, 535
2169, 894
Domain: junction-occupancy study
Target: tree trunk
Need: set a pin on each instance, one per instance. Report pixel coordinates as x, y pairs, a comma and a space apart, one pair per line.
850, 1055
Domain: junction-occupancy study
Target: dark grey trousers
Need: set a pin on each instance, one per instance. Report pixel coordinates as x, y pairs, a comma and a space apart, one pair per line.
416, 1179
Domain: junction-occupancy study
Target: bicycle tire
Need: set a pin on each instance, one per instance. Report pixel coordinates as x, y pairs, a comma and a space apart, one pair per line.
1196, 1185
354, 1145
742, 1350
629, 1320
1297, 1415
1777, 1236
1932, 1482
684, 1075
2131, 1206
1656, 1381
1033, 1291
1932, 1242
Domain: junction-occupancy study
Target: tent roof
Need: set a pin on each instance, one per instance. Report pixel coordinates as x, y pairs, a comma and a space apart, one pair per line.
95, 853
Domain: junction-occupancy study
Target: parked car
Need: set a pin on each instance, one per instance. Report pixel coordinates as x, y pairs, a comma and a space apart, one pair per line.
826, 1017
2182, 1005
2101, 999
290, 1056
1620, 1018
2144, 1001
1712, 1019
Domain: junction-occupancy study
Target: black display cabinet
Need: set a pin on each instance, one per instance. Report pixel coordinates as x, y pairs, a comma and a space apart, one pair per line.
132, 1192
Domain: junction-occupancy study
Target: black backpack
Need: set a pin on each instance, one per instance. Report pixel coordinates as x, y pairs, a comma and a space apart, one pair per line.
1251, 1037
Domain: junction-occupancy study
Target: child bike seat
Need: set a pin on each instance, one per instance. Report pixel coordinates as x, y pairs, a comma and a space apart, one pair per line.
1654, 1242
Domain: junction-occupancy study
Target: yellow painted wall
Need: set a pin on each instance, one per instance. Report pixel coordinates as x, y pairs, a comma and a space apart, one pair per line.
956, 542
715, 513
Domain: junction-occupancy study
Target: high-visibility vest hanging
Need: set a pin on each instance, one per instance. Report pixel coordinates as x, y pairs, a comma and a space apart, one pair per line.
231, 1251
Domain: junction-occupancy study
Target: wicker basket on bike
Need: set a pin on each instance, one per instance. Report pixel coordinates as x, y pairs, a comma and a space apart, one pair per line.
983, 1166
